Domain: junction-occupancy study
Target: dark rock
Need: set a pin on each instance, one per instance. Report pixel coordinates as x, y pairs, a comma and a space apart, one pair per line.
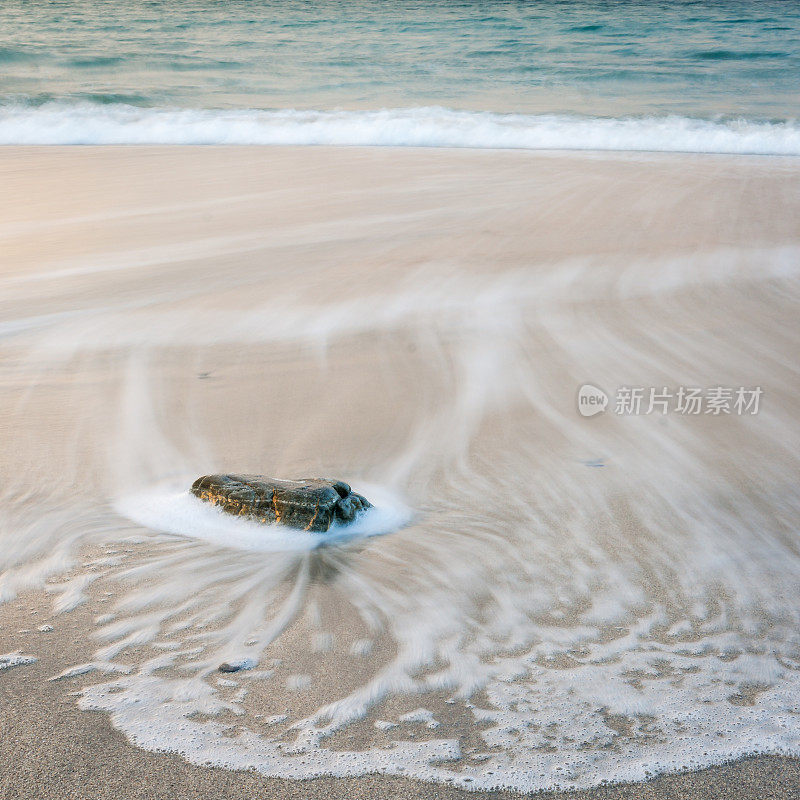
236, 666
312, 504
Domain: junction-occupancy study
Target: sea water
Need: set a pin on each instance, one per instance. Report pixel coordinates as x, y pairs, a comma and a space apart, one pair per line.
707, 77
534, 623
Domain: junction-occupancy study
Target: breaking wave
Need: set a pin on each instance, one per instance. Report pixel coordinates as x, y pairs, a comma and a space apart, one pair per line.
59, 123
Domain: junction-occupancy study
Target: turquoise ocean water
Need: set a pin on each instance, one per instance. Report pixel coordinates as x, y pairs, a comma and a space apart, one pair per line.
716, 76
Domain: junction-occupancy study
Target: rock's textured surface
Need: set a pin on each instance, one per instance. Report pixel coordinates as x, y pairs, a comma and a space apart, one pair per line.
312, 504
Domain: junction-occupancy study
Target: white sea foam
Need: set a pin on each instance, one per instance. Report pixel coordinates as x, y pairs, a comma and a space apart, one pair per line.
171, 508
15, 659
90, 666
60, 124
420, 715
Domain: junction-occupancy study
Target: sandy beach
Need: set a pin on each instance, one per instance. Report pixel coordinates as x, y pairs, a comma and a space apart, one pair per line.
556, 601
50, 749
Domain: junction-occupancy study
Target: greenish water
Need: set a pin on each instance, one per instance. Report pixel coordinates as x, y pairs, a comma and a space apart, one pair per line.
698, 59
722, 76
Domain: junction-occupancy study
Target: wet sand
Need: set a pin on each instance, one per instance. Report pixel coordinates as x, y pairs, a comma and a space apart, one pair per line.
421, 320
50, 749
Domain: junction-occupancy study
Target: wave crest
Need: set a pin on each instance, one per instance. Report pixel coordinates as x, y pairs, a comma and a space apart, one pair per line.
59, 123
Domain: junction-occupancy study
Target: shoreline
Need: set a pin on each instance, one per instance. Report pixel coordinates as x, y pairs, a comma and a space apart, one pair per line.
50, 748
544, 152
415, 127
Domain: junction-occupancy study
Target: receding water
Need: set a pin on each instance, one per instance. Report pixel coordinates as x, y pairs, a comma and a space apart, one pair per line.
571, 600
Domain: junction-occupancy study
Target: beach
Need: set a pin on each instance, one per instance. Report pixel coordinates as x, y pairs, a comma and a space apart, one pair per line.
50, 749
549, 601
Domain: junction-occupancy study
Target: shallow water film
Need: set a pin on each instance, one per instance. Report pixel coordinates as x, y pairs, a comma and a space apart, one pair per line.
546, 596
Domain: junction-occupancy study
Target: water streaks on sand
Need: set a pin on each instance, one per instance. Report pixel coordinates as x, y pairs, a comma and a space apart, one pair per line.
533, 623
